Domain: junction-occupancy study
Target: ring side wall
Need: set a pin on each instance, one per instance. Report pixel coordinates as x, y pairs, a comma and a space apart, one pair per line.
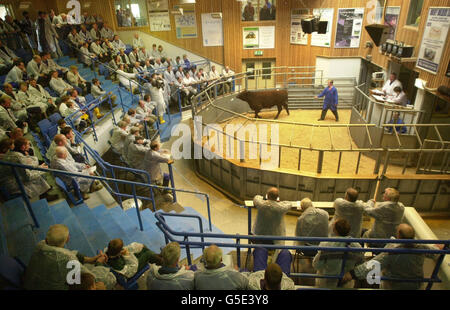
244, 180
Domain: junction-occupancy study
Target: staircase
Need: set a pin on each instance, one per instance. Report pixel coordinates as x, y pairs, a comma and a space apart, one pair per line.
302, 97
90, 229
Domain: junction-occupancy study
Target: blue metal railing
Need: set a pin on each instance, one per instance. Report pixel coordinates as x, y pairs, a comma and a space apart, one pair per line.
106, 180
169, 237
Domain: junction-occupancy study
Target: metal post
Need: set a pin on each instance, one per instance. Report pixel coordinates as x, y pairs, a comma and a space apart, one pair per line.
117, 188
238, 254
249, 220
153, 199
339, 162
320, 162
25, 197
208, 206
436, 269
299, 158
137, 208
172, 183
188, 250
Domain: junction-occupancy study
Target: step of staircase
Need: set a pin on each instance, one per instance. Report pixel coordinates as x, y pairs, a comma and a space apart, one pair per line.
91, 227
131, 229
150, 228
109, 224
18, 229
166, 128
44, 216
78, 240
3, 243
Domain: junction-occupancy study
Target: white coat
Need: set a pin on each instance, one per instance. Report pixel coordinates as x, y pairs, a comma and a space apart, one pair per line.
34, 70
330, 263
389, 86
14, 75
388, 215
47, 269
224, 278
60, 86
118, 139
270, 217
312, 223
33, 181
181, 280
350, 211
151, 164
125, 78
254, 281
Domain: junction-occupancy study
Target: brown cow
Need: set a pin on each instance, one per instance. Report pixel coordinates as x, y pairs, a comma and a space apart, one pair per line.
264, 99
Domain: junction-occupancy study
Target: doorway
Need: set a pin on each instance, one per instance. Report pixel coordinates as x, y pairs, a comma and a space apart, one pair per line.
259, 74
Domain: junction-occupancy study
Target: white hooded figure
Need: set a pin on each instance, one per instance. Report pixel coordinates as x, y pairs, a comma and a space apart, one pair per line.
387, 214
270, 217
312, 223
170, 276
157, 94
47, 269
254, 280
330, 262
350, 209
216, 275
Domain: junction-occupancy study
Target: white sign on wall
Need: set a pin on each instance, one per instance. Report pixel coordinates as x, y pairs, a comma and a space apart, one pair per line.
297, 34
349, 28
434, 39
262, 37
323, 40
212, 30
159, 21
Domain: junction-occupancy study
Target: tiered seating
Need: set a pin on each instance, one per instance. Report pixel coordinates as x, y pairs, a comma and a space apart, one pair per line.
90, 228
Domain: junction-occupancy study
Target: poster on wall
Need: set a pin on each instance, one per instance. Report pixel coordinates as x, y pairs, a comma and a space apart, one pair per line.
212, 30
159, 21
262, 37
349, 27
186, 24
391, 20
323, 40
297, 34
434, 39
158, 5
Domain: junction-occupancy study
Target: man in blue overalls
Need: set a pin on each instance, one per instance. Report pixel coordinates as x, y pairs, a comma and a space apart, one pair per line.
330, 102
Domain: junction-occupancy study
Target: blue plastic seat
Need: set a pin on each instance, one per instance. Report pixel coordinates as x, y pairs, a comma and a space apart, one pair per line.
44, 125
54, 118
89, 98
131, 283
12, 270
68, 191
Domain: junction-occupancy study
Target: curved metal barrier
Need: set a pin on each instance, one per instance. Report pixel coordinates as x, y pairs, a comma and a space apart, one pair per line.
238, 245
107, 181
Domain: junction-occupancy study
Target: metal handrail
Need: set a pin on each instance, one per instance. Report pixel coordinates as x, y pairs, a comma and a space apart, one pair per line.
169, 233
15, 166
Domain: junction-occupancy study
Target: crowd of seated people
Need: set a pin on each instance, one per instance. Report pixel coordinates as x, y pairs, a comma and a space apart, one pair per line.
166, 272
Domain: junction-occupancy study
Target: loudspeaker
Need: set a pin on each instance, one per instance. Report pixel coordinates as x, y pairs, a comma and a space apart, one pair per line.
378, 33
444, 90
307, 26
322, 27
405, 51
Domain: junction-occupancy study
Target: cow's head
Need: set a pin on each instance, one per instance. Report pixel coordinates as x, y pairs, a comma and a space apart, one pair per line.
243, 95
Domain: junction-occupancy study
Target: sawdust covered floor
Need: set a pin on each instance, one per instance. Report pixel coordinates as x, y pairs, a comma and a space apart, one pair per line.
295, 136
